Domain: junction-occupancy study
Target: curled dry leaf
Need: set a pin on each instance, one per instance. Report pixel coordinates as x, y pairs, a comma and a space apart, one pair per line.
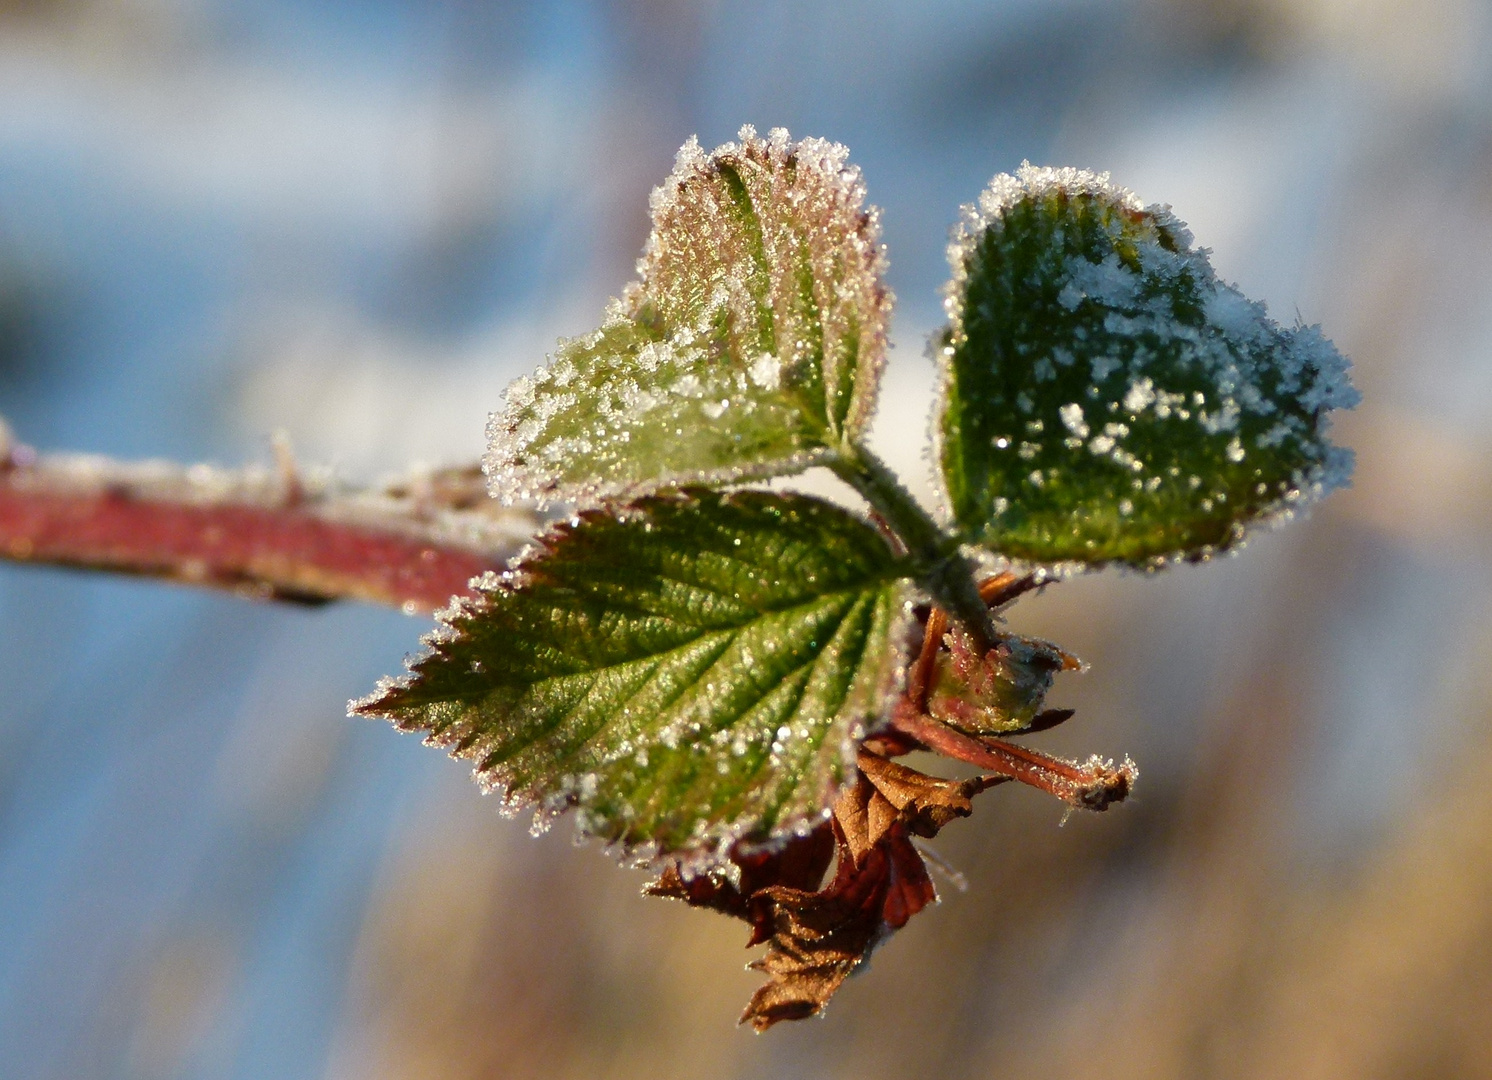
819, 938
816, 936
886, 794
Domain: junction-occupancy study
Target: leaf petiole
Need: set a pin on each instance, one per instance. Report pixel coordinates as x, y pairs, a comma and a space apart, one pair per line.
937, 563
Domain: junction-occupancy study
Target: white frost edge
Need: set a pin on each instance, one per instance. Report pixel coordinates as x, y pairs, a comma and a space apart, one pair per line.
1005, 191
714, 844
830, 160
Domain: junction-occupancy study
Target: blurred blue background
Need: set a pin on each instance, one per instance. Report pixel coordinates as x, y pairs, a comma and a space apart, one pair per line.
357, 221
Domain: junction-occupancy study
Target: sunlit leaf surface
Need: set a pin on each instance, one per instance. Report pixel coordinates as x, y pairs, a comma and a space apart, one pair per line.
1105, 397
695, 668
751, 345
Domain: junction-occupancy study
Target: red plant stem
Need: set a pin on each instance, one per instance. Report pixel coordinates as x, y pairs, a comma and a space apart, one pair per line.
274, 536
1092, 785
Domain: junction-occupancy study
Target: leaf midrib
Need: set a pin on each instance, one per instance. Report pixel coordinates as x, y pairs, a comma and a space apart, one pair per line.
870, 584
727, 722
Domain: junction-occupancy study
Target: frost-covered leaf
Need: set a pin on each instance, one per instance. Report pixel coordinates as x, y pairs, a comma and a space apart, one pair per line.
751, 345
685, 671
1105, 396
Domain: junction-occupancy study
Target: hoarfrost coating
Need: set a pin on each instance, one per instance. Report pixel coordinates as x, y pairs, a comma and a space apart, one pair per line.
751, 344
1164, 410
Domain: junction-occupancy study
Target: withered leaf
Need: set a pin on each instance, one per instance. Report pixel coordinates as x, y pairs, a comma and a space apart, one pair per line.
819, 938
887, 793
800, 863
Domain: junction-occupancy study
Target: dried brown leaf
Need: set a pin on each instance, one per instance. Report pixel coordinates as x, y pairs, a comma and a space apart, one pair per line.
925, 803
819, 938
799, 864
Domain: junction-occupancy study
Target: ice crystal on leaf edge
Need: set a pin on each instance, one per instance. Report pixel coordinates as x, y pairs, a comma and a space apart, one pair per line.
750, 346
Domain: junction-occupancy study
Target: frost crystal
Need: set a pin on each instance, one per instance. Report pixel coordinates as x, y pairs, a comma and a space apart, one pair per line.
751, 345
692, 671
1175, 412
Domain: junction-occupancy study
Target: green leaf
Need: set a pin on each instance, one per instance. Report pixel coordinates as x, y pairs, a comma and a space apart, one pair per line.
685, 671
1105, 397
751, 347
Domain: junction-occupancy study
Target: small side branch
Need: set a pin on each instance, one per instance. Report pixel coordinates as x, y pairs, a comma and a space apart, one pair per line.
267, 533
1094, 784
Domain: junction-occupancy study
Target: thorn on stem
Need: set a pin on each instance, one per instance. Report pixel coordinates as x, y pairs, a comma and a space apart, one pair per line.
292, 491
1003, 588
919, 676
1045, 721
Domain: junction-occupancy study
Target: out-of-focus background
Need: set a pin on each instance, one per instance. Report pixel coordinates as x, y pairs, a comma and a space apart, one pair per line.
356, 220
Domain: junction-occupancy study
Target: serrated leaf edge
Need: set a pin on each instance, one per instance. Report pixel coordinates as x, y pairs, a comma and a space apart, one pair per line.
709, 855
512, 484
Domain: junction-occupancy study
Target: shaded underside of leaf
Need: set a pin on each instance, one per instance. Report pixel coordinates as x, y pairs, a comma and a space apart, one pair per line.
689, 670
750, 346
1105, 397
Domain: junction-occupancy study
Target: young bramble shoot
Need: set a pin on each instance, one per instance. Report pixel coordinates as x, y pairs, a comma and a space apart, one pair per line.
717, 680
